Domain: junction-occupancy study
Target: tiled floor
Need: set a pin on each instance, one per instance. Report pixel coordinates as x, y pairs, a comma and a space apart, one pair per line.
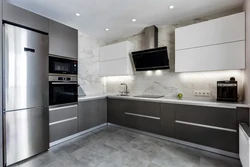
113, 147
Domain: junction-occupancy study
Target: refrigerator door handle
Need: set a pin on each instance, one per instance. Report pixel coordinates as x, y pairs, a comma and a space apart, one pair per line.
29, 50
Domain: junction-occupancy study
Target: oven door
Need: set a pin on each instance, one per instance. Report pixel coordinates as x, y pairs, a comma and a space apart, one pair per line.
62, 66
62, 93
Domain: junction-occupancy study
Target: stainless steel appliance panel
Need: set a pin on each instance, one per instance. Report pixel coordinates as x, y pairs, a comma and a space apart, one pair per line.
26, 133
25, 68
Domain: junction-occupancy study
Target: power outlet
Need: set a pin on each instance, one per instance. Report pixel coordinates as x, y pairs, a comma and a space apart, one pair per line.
203, 93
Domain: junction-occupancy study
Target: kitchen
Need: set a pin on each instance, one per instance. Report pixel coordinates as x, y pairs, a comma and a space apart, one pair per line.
154, 89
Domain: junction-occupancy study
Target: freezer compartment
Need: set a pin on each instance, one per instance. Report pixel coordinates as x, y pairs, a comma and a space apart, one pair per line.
26, 133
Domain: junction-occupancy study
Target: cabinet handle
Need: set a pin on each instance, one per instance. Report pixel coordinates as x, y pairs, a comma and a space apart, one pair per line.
206, 126
65, 120
144, 116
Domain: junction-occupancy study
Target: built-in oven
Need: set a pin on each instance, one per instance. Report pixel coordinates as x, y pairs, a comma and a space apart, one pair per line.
62, 90
62, 66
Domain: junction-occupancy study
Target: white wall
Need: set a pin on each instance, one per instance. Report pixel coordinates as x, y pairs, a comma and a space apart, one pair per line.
247, 71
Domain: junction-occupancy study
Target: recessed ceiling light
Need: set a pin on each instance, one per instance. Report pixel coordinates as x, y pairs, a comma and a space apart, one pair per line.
133, 20
77, 14
171, 7
107, 29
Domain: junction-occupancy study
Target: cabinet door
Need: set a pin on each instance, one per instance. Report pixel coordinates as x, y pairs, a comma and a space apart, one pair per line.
168, 120
63, 40
116, 110
102, 111
87, 114
222, 30
210, 116
219, 139
143, 116
62, 130
229, 56
115, 51
24, 18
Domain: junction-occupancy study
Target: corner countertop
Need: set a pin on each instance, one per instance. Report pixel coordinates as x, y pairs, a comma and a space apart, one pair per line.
169, 100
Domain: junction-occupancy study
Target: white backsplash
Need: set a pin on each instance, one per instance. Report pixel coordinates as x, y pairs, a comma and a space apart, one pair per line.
150, 82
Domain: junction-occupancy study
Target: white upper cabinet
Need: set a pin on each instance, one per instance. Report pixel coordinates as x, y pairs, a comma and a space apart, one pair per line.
211, 45
222, 30
115, 59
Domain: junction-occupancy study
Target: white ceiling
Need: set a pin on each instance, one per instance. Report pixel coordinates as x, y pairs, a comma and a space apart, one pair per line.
96, 15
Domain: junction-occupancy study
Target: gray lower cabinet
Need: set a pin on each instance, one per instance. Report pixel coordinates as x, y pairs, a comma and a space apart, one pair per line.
63, 40
63, 122
168, 119
139, 115
87, 114
143, 115
102, 111
16, 15
209, 126
62, 130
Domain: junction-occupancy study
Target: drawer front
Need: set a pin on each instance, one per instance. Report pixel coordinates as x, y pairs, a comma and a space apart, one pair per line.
219, 139
63, 129
221, 117
141, 122
62, 113
147, 108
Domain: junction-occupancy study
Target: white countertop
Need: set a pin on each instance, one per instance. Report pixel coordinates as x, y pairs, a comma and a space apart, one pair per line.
169, 100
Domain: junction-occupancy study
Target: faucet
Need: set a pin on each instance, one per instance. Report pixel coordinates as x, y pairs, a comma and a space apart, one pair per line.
126, 90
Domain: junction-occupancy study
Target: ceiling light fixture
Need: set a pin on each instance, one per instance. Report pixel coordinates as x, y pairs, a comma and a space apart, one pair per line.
77, 14
171, 7
133, 20
107, 29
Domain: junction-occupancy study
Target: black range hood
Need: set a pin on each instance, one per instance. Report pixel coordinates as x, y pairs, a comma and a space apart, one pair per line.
153, 58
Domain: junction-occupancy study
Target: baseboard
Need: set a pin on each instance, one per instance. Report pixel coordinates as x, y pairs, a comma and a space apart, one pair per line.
75, 135
201, 147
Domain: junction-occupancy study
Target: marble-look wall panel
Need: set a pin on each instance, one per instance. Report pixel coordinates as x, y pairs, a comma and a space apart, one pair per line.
164, 82
88, 65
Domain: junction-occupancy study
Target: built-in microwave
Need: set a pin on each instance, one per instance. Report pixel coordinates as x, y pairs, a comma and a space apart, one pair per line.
62, 66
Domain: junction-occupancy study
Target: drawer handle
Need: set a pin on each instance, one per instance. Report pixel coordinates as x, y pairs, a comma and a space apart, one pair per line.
144, 116
65, 120
206, 126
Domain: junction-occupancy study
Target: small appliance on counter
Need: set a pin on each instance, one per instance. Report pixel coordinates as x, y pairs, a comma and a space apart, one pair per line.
227, 90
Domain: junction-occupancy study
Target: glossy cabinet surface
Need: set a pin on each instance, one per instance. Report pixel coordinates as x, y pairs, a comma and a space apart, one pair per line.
63, 40
102, 104
168, 119
91, 113
16, 15
63, 122
115, 59
213, 127
217, 44
87, 114
217, 31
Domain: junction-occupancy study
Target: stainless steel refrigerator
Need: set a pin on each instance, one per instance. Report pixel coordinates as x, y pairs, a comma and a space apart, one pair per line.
25, 93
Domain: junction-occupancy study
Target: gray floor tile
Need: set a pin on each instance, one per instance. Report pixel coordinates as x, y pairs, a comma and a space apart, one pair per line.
208, 162
93, 154
143, 147
123, 159
170, 156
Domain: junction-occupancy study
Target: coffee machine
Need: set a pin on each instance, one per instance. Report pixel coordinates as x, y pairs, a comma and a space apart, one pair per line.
227, 90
